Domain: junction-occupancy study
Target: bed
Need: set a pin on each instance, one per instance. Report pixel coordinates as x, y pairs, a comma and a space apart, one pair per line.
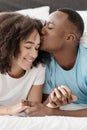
42, 123
36, 8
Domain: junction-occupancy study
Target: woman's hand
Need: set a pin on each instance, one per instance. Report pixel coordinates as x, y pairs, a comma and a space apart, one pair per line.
60, 96
19, 107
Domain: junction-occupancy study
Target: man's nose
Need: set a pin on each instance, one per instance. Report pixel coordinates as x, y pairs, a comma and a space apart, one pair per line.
44, 30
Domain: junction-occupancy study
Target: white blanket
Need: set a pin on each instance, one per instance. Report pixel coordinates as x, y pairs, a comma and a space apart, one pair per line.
42, 123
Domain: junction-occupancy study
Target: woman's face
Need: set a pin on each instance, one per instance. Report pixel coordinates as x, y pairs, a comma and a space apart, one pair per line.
28, 50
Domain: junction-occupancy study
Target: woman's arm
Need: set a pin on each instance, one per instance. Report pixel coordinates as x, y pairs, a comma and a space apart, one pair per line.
13, 110
35, 93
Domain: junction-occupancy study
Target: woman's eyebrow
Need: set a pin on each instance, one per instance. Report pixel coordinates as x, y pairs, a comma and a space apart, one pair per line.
30, 42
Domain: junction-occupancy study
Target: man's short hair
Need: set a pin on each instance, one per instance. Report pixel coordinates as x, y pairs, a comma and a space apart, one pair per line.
74, 18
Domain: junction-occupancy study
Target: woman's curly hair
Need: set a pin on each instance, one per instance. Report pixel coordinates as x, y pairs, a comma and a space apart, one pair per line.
15, 27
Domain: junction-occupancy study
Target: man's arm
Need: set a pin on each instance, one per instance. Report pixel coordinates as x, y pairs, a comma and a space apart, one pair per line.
74, 113
39, 109
57, 112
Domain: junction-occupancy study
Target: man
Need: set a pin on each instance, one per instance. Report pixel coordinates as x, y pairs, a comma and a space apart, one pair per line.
67, 70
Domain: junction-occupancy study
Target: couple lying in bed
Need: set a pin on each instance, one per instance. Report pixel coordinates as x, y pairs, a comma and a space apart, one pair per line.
23, 63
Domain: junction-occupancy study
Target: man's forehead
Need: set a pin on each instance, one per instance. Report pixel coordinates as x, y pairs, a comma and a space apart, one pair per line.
58, 15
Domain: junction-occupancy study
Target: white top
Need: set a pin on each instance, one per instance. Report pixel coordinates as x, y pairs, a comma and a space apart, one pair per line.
13, 90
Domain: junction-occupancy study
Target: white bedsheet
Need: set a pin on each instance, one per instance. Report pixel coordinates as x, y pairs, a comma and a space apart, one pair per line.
42, 123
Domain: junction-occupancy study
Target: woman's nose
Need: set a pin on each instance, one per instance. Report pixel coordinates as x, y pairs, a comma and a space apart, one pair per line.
34, 53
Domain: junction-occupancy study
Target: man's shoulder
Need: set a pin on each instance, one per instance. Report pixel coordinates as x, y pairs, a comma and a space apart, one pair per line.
83, 58
82, 49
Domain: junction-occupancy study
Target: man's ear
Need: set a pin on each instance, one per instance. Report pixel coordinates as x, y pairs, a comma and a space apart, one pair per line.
70, 37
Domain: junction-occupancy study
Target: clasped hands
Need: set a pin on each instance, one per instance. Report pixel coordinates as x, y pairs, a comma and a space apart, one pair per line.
59, 96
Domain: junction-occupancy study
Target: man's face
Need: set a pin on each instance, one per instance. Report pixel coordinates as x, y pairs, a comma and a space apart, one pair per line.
54, 32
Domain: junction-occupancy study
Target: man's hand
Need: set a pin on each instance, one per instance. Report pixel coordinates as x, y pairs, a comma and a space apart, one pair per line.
60, 96
37, 109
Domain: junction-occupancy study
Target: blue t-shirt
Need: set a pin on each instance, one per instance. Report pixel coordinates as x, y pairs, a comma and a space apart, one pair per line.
75, 79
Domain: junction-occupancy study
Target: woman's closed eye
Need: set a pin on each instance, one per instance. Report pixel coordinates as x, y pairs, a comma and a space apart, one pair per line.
27, 47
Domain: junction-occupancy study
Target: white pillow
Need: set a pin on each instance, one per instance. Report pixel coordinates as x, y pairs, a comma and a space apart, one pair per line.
41, 13
84, 37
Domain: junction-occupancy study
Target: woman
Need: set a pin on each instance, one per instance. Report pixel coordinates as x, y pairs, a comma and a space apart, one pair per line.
21, 71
